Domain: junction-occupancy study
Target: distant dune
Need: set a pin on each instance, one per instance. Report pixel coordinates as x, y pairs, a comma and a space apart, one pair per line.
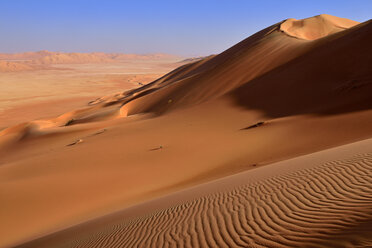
71, 58
47, 57
44, 59
25, 56
143, 56
6, 66
107, 175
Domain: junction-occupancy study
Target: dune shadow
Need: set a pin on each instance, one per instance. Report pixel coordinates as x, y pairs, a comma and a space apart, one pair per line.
156, 148
332, 78
258, 124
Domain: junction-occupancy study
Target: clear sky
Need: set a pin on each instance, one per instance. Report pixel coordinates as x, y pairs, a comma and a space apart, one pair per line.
184, 27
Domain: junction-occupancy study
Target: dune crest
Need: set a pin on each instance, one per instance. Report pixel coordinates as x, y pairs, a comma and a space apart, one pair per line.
315, 27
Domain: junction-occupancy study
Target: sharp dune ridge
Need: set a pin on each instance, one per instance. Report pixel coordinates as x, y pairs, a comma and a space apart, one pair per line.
297, 87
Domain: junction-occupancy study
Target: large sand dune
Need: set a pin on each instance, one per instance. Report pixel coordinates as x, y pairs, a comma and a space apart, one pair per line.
48, 57
294, 88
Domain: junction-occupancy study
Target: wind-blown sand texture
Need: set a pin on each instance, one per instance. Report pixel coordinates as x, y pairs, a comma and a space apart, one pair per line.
294, 88
318, 200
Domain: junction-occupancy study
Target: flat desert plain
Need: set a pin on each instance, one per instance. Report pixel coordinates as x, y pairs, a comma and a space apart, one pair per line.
267, 144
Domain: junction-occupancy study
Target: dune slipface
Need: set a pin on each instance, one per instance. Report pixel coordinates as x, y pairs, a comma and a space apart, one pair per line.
297, 87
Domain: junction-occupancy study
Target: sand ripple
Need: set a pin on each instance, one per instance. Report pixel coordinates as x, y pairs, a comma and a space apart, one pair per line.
329, 205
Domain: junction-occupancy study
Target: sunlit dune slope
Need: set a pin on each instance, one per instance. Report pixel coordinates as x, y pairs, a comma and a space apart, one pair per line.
316, 27
318, 200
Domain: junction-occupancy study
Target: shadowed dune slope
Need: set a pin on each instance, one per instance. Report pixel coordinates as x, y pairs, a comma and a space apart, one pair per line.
334, 77
318, 200
267, 50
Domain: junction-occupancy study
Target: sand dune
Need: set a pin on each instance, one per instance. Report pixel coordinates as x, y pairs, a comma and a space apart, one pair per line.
14, 67
118, 56
318, 200
70, 58
25, 55
316, 27
237, 67
48, 57
245, 79
294, 88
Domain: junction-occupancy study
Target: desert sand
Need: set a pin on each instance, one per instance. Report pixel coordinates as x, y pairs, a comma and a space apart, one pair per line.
267, 144
30, 91
322, 199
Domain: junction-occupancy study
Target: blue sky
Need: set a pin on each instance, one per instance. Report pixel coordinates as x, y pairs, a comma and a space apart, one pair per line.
190, 28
